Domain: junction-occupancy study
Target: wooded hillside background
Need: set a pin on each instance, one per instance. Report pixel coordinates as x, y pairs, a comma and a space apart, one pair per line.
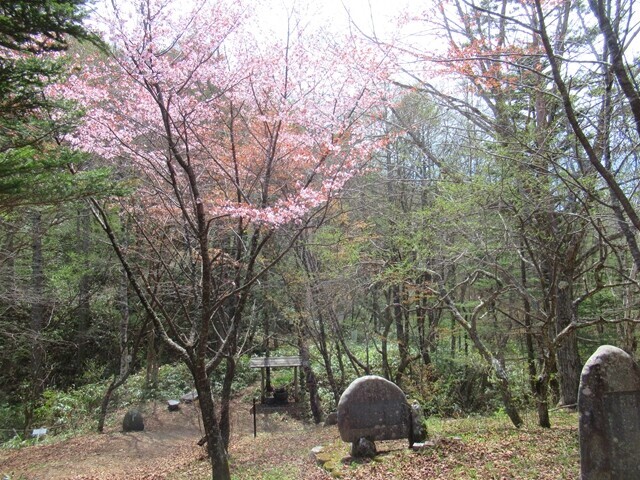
462, 221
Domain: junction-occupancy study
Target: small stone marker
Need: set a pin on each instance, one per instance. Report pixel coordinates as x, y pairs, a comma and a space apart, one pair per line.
173, 405
38, 432
609, 408
418, 430
332, 419
373, 408
189, 397
416, 447
313, 454
133, 422
363, 448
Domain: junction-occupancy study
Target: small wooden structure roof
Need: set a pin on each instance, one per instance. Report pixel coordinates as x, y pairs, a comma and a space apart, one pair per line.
271, 362
266, 363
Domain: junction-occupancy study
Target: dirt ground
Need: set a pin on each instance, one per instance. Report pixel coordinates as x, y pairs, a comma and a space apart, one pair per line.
166, 444
487, 448
167, 448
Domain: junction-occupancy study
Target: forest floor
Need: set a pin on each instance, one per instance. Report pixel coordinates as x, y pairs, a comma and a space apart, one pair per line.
470, 448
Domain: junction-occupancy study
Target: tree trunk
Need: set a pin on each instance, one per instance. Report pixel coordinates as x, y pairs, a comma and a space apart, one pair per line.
215, 444
324, 351
567, 350
402, 336
541, 391
37, 380
118, 380
626, 331
423, 344
124, 366
152, 367
123, 307
470, 327
311, 380
83, 336
388, 321
225, 401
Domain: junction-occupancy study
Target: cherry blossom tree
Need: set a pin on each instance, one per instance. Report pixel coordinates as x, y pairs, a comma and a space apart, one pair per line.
227, 137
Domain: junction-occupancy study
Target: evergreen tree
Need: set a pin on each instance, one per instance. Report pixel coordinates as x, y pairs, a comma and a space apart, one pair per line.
33, 167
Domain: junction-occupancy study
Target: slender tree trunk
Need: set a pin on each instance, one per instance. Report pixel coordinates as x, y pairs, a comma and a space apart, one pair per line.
124, 367
311, 380
341, 345
542, 394
567, 351
116, 382
84, 307
152, 364
123, 307
267, 353
502, 378
539, 384
225, 401
629, 342
388, 321
324, 351
9, 267
341, 367
37, 295
402, 336
423, 345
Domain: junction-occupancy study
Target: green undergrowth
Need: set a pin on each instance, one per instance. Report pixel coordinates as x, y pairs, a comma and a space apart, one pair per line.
69, 412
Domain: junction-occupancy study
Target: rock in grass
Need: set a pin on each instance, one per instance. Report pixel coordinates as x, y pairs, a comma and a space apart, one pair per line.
133, 421
315, 455
190, 397
332, 419
363, 448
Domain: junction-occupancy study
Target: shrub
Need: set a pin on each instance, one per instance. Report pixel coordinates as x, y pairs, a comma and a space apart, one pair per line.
69, 409
452, 387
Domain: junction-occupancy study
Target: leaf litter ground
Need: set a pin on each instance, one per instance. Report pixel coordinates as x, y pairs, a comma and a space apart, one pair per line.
472, 448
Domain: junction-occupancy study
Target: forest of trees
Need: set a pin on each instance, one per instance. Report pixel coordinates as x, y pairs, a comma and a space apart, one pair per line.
186, 186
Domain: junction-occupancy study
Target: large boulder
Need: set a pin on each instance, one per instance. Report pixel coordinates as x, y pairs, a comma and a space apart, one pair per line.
133, 421
373, 408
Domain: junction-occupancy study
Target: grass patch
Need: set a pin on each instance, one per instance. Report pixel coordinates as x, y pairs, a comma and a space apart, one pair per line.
476, 448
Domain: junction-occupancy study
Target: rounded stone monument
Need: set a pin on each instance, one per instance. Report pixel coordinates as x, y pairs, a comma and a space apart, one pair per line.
373, 408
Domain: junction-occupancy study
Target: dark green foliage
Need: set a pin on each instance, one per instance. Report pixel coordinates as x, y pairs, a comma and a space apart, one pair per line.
28, 29
37, 175
41, 25
454, 387
34, 169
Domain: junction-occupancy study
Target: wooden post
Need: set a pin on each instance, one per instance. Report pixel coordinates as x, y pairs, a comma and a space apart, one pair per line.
295, 383
255, 425
262, 385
